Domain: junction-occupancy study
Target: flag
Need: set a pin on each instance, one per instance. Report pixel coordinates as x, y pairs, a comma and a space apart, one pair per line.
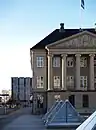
82, 4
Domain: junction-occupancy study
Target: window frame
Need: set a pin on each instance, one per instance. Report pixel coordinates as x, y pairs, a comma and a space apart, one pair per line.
70, 80
69, 61
56, 83
83, 62
40, 80
56, 61
83, 79
85, 101
40, 61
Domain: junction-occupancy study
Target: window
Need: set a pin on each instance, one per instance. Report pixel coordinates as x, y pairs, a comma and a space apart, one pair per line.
56, 81
57, 97
24, 81
85, 101
31, 82
70, 62
70, 80
40, 82
56, 62
95, 80
83, 62
83, 81
40, 61
72, 99
95, 61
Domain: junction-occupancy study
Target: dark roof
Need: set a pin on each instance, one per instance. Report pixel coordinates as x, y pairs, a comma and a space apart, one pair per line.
57, 35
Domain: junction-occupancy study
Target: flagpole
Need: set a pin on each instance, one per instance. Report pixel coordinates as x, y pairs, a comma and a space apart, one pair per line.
80, 16
82, 6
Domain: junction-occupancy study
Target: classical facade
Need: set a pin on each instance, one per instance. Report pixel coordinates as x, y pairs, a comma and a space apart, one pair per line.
64, 67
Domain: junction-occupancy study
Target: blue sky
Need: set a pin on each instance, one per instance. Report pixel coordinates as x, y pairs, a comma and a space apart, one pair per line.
23, 23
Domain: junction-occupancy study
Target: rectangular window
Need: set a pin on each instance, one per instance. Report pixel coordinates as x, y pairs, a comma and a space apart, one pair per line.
56, 81
83, 62
24, 81
85, 101
40, 61
72, 99
70, 80
18, 81
56, 62
95, 80
83, 81
40, 82
70, 62
95, 61
31, 82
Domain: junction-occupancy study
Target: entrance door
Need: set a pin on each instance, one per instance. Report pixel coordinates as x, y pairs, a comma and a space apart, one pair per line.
72, 99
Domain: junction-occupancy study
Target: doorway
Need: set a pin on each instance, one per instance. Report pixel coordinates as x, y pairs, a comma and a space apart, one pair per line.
72, 100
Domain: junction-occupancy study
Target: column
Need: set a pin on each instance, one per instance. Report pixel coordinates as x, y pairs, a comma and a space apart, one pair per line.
77, 71
63, 71
50, 72
91, 72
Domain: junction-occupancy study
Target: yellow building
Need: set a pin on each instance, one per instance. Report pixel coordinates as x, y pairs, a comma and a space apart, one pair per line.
64, 67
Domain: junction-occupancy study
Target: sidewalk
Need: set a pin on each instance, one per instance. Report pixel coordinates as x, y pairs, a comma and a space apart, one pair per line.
9, 112
26, 122
3, 116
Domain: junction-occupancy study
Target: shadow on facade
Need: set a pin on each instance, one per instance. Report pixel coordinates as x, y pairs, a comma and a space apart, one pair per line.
39, 104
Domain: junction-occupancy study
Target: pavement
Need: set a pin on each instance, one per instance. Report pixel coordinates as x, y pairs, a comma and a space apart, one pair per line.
3, 116
24, 121
9, 112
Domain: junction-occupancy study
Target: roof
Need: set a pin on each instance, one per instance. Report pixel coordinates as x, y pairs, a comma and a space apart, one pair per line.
56, 35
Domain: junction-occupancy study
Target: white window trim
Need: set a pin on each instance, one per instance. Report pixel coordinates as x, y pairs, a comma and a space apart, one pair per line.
83, 62
70, 59
40, 82
56, 81
40, 61
83, 78
56, 61
70, 81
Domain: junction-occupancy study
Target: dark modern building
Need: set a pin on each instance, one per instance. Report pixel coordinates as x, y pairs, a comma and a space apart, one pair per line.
21, 89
